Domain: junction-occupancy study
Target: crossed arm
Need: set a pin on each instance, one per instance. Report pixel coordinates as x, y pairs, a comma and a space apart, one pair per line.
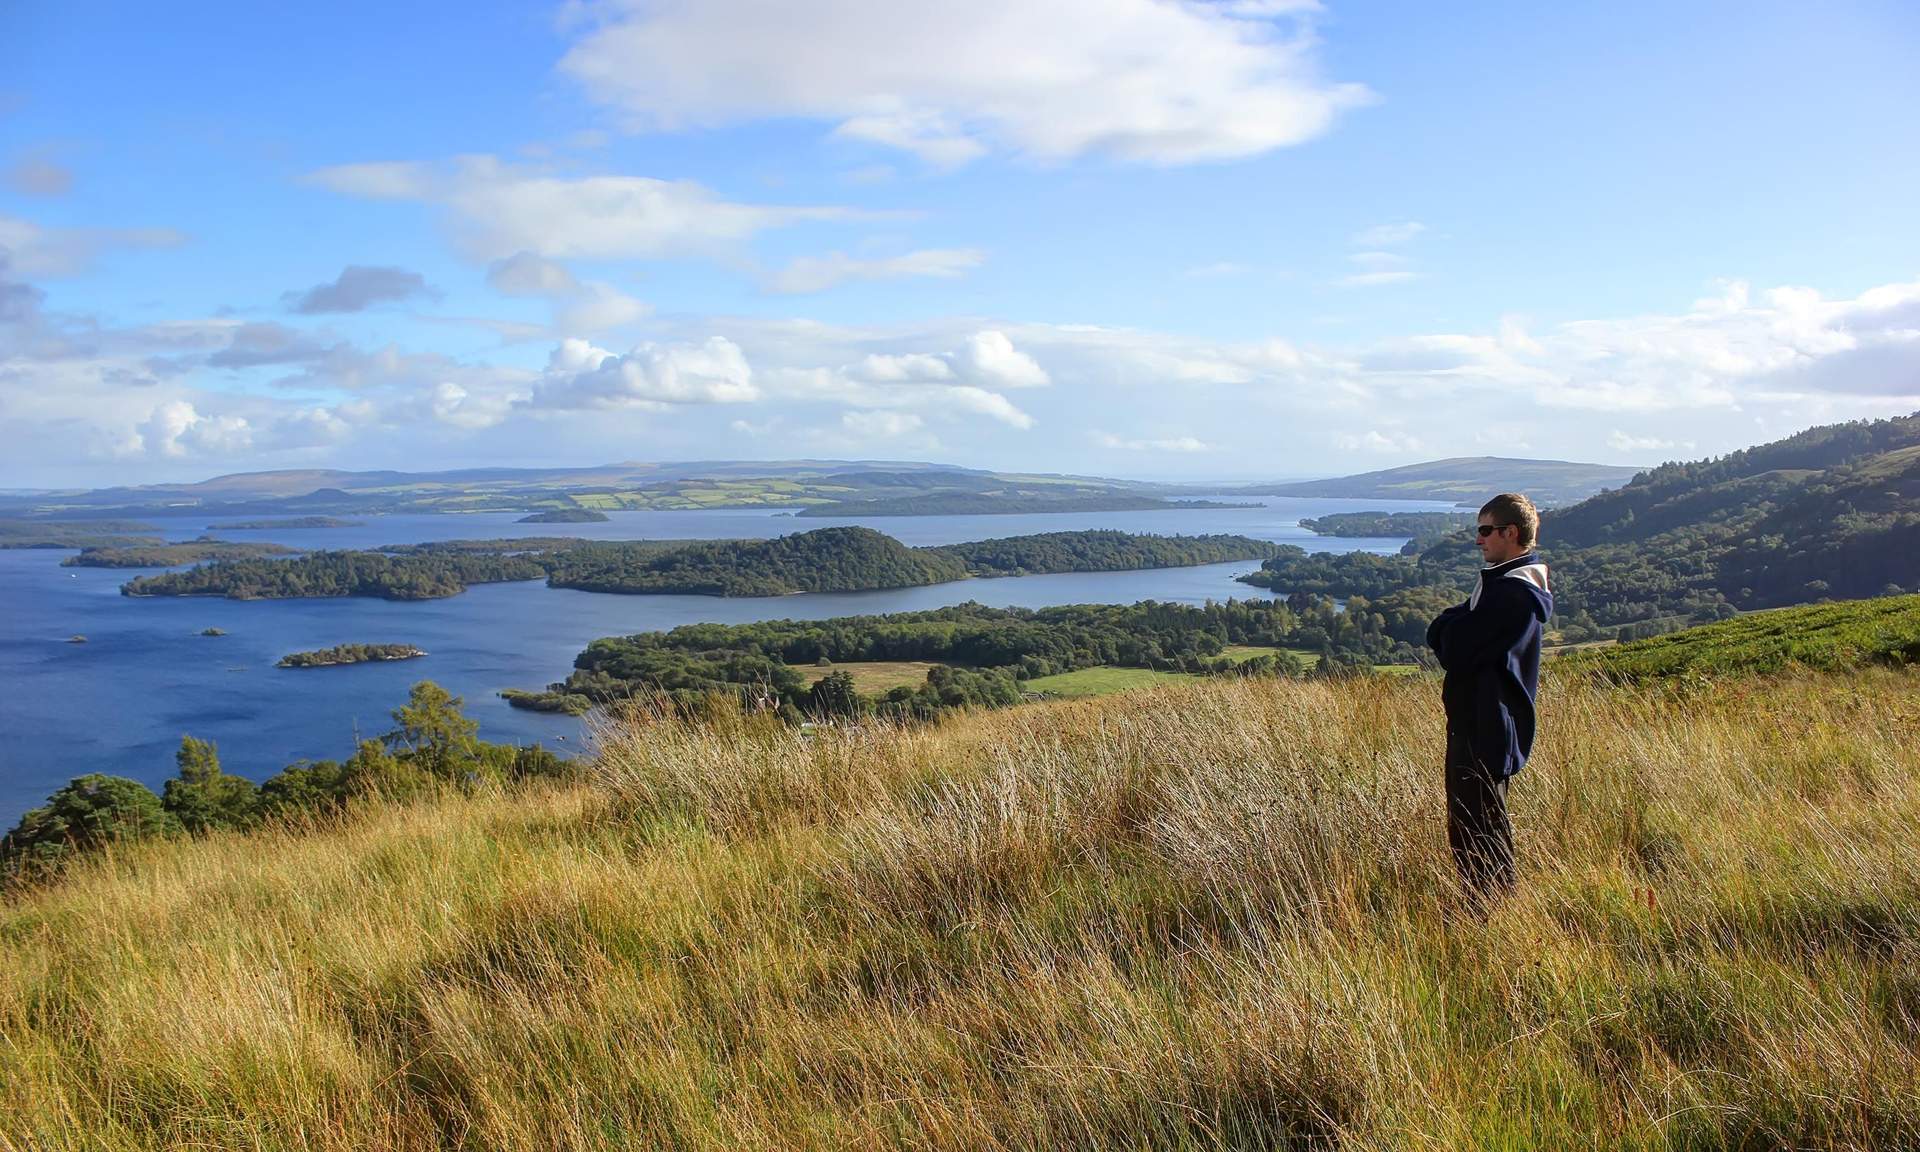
1467, 638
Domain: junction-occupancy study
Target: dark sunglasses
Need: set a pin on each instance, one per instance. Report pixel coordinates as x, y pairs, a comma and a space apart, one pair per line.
1486, 530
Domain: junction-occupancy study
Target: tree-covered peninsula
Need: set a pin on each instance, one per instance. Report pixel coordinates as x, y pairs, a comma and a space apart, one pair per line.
826, 560
1100, 550
172, 555
326, 574
860, 559
566, 516
350, 654
850, 559
1419, 525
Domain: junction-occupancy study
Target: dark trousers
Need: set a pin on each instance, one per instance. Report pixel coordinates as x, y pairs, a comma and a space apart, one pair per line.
1477, 826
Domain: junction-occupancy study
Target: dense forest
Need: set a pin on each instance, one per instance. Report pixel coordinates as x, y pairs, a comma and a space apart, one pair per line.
422, 576
1833, 512
857, 559
434, 744
515, 545
991, 649
170, 555
823, 560
35, 533
1100, 551
1416, 525
349, 654
826, 560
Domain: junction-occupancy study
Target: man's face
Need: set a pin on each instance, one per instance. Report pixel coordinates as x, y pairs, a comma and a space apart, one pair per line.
1500, 545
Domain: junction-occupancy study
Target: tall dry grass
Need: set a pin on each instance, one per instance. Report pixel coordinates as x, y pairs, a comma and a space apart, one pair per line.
1207, 916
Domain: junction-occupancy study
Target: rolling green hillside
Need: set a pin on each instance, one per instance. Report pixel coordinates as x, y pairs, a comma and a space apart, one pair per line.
1827, 637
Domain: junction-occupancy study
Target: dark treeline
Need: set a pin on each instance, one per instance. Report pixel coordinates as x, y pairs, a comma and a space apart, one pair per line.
827, 560
31, 533
434, 744
1428, 526
169, 555
565, 516
423, 576
1100, 551
1344, 574
857, 559
824, 560
514, 545
1005, 645
349, 654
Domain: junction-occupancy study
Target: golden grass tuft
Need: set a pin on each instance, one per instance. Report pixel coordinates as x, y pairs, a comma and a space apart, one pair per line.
1208, 915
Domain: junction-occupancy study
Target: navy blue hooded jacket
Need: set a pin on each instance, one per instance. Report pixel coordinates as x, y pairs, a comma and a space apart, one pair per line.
1490, 647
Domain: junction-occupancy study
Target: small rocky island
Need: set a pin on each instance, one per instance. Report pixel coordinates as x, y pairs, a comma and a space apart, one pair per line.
213, 631
350, 654
566, 516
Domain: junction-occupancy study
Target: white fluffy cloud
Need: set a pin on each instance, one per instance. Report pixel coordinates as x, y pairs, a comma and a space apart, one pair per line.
990, 358
818, 273
500, 210
1141, 80
580, 375
175, 429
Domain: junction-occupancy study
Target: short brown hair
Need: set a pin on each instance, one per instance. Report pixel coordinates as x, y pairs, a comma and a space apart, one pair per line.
1513, 508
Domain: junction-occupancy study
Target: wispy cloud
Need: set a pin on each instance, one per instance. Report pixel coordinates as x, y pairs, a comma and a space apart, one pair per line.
499, 209
1162, 444
1388, 235
819, 273
1374, 263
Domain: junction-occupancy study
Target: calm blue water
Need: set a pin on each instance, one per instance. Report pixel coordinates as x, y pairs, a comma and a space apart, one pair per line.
120, 702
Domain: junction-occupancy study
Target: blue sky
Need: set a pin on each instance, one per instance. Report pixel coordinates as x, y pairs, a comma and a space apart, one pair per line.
1126, 237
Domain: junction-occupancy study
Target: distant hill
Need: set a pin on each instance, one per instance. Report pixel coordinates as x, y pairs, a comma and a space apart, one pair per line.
796, 484
1465, 480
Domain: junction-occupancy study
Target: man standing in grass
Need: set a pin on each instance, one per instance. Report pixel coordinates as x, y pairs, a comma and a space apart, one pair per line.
1490, 648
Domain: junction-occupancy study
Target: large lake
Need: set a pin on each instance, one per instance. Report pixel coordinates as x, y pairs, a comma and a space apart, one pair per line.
120, 702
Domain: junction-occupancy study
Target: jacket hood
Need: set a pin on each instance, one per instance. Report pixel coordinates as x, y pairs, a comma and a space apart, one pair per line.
1531, 572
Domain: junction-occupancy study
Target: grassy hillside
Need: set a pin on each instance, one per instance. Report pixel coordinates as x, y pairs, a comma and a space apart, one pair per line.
1850, 634
1216, 915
